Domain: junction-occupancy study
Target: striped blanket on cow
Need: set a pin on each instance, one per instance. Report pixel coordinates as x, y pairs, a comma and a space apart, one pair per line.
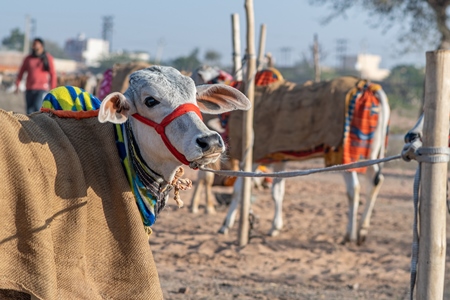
335, 119
361, 120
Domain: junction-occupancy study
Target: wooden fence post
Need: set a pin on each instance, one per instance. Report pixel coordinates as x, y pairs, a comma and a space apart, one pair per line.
432, 213
236, 31
262, 46
247, 134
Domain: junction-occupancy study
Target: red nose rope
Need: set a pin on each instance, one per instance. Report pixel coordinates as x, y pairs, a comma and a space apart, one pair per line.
161, 127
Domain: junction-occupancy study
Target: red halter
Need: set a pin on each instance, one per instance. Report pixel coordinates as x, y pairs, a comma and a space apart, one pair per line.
160, 128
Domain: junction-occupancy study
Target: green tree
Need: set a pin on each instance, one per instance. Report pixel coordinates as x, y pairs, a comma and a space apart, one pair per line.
15, 40
54, 49
187, 63
421, 20
404, 86
212, 57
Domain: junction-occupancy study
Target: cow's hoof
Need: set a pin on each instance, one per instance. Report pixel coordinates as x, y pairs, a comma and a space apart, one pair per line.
223, 230
348, 239
274, 232
362, 236
194, 210
211, 210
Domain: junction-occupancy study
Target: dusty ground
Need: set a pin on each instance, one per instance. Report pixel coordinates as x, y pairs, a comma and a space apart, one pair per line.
307, 260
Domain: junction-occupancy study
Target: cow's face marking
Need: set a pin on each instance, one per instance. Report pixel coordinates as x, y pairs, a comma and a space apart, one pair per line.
154, 93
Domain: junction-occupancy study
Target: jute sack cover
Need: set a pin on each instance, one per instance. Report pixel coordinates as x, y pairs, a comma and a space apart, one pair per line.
121, 73
294, 117
70, 228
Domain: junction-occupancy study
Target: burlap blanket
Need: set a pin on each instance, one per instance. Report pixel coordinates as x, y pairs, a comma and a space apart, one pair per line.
70, 227
294, 117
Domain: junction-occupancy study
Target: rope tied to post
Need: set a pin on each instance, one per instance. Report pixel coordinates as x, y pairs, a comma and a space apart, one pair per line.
411, 151
415, 151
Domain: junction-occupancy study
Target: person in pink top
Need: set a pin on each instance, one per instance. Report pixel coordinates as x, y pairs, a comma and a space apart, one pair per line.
41, 75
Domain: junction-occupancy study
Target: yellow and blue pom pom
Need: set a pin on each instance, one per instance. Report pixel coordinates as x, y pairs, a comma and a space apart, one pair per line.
70, 98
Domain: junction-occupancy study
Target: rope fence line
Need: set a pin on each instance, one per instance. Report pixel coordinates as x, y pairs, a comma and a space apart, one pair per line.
411, 151
298, 173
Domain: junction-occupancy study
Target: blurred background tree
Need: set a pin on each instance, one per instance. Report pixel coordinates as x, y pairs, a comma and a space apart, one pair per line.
212, 58
55, 50
404, 86
15, 40
186, 63
421, 20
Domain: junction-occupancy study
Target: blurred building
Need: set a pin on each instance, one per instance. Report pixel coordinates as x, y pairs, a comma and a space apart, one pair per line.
140, 55
10, 62
133, 55
86, 50
368, 66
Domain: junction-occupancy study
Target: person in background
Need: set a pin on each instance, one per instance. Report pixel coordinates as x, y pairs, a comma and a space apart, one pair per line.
41, 75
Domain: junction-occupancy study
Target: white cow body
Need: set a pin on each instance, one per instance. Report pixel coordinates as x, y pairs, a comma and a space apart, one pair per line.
374, 178
354, 233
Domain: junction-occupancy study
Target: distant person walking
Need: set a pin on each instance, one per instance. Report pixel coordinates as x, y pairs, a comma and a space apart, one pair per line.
41, 75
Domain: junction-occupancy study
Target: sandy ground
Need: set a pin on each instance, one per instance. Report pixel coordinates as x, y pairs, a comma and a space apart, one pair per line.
307, 260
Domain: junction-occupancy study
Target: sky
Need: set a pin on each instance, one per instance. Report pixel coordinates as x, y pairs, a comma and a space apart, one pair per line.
179, 26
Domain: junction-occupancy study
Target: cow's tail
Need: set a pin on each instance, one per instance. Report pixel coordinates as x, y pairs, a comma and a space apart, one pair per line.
384, 128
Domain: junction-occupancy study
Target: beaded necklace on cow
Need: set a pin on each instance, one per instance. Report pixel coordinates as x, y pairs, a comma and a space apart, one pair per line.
149, 188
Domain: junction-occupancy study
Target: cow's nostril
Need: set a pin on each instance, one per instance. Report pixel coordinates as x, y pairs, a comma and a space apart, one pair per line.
210, 141
203, 143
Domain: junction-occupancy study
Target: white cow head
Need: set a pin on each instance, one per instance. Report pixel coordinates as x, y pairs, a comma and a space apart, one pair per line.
204, 74
162, 94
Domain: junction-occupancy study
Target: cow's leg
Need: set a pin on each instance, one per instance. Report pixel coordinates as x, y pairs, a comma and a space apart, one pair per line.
374, 181
209, 180
278, 188
353, 189
235, 199
196, 195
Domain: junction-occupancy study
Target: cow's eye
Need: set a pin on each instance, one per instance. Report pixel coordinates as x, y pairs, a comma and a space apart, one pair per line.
150, 102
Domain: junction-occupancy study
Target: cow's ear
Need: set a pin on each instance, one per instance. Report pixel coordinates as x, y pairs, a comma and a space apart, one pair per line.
220, 98
114, 108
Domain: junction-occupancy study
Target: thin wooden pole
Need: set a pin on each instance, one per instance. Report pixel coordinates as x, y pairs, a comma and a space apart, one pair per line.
236, 32
262, 45
270, 60
316, 59
26, 37
247, 134
432, 213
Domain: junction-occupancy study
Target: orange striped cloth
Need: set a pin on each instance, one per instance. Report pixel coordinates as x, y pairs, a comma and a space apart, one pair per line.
361, 120
267, 76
